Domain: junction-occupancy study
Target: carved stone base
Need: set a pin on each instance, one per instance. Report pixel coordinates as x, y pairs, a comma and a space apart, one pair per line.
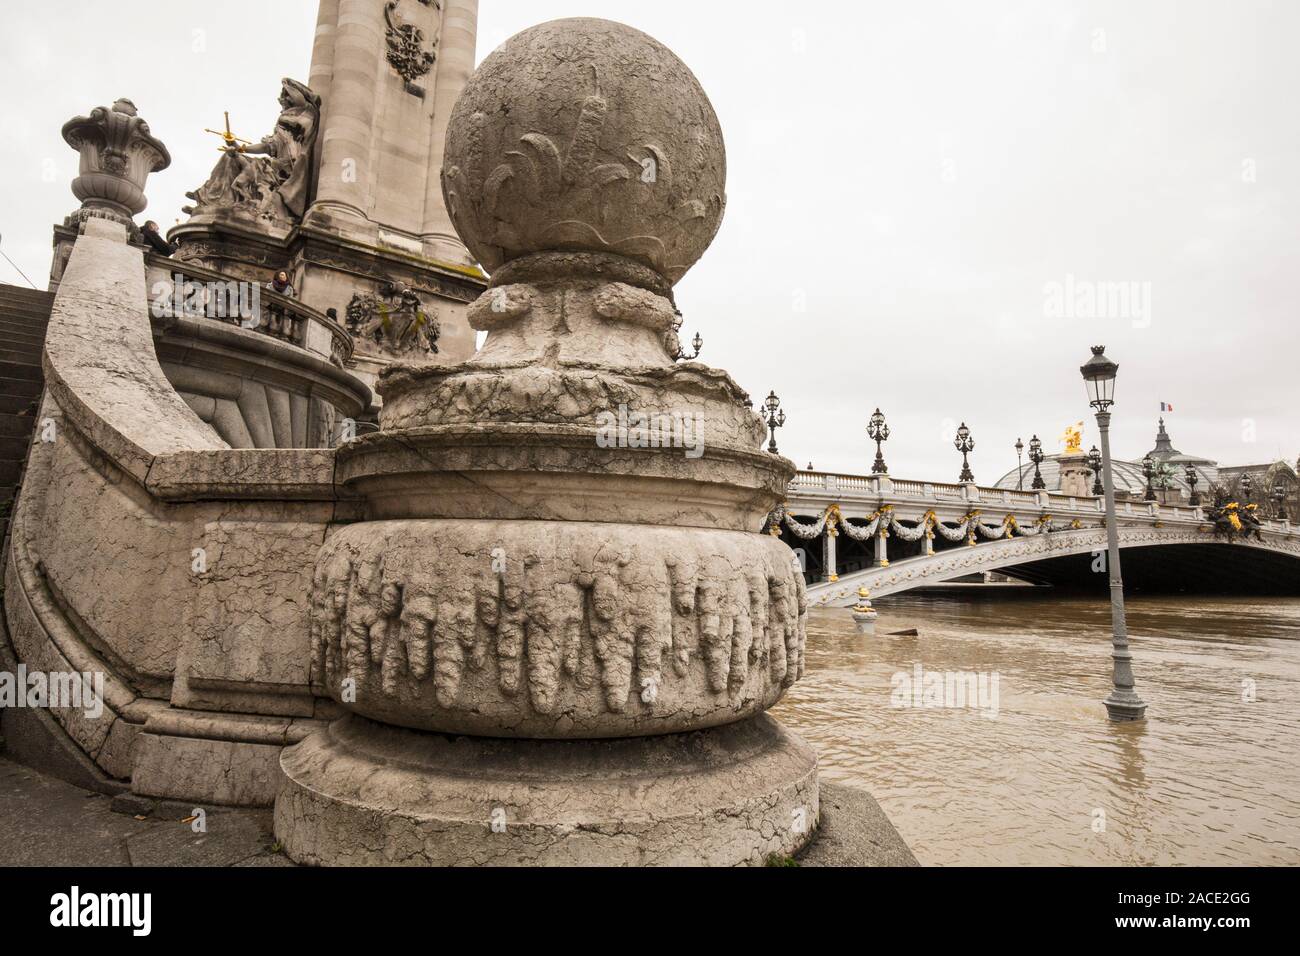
363, 794
555, 629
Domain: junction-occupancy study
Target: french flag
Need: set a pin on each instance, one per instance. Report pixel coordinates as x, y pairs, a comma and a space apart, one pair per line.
1166, 407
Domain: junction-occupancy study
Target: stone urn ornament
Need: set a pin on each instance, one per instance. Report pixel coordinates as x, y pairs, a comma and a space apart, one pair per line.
117, 155
557, 629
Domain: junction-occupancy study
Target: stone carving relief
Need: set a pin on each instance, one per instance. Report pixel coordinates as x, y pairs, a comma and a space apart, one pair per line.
270, 180
456, 395
597, 180
393, 322
406, 52
565, 630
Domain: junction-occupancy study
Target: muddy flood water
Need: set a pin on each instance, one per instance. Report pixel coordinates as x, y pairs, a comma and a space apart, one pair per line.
1025, 768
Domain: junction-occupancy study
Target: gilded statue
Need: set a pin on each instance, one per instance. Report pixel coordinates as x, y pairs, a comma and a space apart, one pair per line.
1073, 439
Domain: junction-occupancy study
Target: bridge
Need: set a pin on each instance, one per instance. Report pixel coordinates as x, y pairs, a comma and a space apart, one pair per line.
891, 535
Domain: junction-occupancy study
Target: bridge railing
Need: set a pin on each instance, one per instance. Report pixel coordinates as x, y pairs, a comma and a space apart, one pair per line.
278, 316
882, 489
885, 488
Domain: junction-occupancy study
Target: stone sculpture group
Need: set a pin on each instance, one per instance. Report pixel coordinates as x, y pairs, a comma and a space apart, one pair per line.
269, 180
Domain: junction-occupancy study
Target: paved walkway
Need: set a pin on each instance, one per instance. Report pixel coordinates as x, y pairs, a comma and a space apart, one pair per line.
46, 822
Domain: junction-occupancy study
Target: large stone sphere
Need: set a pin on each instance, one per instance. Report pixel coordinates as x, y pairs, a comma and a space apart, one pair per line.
585, 135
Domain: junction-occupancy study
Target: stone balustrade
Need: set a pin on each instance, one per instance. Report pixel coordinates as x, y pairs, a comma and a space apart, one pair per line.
277, 316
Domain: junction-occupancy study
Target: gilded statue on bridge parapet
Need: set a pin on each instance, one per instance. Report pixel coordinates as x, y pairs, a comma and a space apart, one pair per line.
1073, 439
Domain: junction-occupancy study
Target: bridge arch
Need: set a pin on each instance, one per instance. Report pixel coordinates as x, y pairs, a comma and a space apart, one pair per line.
1154, 558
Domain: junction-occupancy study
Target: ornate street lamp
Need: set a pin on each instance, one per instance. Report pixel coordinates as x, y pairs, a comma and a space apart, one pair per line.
965, 444
1020, 465
1247, 486
1036, 456
774, 418
878, 432
1190, 474
697, 342
1123, 703
1149, 470
1094, 462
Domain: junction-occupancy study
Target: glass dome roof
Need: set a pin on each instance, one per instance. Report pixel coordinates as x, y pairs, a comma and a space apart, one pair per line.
1129, 477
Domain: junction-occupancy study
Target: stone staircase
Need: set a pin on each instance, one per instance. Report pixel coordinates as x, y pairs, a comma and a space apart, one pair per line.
24, 316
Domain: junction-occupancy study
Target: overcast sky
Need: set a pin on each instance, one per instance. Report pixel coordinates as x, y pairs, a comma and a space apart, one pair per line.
914, 189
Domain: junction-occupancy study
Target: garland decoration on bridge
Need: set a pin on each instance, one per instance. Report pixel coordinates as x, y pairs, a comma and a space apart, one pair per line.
1011, 527
865, 532
956, 533
916, 532
832, 521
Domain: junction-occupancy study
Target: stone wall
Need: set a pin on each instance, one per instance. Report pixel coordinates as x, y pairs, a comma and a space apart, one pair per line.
145, 549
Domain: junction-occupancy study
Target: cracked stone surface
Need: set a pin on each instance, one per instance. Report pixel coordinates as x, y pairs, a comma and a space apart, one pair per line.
46, 822
363, 794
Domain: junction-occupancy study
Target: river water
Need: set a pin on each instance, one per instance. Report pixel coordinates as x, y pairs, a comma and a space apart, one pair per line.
1031, 771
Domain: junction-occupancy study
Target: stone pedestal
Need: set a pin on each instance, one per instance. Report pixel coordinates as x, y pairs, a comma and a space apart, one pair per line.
1076, 475
734, 794
560, 554
864, 615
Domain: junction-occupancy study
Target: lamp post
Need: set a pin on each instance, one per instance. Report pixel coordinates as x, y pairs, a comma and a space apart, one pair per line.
1148, 471
1036, 456
964, 444
1094, 462
878, 432
774, 418
1190, 474
1020, 465
1123, 703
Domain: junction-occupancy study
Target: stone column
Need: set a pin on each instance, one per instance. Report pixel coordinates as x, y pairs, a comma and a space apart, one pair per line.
882, 547
828, 552
321, 76
455, 63
352, 63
